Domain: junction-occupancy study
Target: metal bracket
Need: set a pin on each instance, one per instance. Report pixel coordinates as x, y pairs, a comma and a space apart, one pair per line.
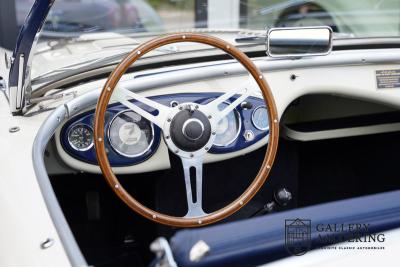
163, 252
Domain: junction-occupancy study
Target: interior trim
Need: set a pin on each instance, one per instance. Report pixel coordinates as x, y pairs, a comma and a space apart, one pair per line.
339, 133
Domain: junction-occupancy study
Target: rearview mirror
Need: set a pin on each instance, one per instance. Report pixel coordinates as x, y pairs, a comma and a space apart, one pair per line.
299, 41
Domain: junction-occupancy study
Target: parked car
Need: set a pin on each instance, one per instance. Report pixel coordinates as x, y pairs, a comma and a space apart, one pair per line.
204, 147
72, 16
347, 17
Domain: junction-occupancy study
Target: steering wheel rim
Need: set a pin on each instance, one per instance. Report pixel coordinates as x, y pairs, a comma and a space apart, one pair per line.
99, 132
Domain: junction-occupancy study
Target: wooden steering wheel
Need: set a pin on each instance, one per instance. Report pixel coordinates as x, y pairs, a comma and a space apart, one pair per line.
189, 131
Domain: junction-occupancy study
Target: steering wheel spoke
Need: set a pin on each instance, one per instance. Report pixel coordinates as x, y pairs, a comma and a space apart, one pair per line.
193, 172
123, 95
245, 90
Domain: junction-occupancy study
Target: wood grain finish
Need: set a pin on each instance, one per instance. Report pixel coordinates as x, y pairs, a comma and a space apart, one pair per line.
104, 99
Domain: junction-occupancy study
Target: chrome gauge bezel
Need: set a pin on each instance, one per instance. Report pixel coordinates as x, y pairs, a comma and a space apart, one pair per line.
253, 119
239, 117
122, 153
74, 127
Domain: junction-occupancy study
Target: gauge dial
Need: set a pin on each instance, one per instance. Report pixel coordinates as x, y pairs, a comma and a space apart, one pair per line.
130, 135
80, 137
228, 128
260, 118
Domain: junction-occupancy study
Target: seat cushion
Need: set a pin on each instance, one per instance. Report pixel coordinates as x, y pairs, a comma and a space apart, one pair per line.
260, 240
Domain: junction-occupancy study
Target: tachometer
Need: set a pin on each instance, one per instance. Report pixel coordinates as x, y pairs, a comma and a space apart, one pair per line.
260, 118
80, 137
130, 135
228, 128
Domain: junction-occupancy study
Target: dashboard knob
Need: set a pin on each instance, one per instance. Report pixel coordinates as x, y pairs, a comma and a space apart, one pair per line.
246, 105
248, 135
283, 196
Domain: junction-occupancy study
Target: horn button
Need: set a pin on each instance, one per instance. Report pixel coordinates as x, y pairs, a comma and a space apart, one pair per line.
190, 130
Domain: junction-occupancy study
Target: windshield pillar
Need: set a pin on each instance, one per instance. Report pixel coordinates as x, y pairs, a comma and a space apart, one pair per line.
19, 77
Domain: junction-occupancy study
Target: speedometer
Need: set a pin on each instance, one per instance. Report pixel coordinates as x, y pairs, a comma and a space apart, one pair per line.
130, 134
228, 128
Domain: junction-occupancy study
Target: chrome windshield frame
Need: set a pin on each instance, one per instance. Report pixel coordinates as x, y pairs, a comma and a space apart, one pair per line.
19, 80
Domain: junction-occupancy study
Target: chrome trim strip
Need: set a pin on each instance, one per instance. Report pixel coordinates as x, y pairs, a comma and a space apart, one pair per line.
20, 86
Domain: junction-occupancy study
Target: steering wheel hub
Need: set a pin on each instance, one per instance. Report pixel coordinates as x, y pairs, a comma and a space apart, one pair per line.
190, 130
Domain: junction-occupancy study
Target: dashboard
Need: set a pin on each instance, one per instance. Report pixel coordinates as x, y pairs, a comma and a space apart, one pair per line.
132, 139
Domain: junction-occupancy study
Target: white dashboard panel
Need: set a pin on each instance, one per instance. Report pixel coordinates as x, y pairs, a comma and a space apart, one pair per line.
354, 81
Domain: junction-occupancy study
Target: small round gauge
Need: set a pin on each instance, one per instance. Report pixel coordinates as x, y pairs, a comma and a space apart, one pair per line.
130, 135
260, 118
228, 128
80, 137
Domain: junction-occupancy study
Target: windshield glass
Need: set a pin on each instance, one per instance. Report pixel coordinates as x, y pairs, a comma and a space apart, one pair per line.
81, 32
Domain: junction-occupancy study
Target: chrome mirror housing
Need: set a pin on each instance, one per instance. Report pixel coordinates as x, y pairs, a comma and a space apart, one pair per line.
299, 42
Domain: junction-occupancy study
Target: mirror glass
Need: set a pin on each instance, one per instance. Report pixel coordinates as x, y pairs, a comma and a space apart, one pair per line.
299, 42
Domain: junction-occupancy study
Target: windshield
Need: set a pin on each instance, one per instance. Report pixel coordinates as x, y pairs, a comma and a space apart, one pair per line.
80, 32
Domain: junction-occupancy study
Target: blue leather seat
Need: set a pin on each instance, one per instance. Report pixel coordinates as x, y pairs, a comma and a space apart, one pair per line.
260, 240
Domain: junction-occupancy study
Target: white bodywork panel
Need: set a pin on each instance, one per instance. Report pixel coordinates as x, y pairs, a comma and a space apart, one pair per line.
25, 222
